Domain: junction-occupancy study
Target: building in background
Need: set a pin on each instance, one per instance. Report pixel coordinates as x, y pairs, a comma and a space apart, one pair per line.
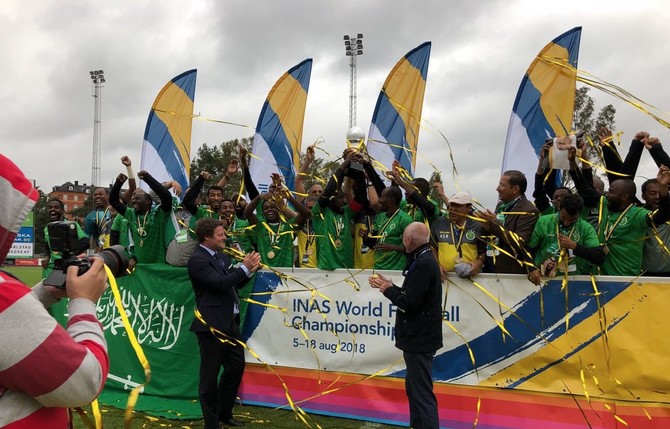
73, 195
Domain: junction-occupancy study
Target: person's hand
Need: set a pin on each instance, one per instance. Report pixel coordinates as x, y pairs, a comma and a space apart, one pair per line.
535, 277
651, 142
177, 187
486, 215
141, 174
243, 157
477, 266
380, 282
265, 196
252, 261
89, 285
57, 293
122, 178
604, 136
567, 242
443, 274
132, 263
363, 232
205, 175
641, 136
572, 153
544, 151
125, 160
233, 166
385, 247
663, 176
439, 188
310, 155
394, 175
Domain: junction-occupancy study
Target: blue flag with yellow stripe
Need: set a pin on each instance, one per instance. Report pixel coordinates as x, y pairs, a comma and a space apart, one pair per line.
278, 136
394, 132
544, 104
166, 149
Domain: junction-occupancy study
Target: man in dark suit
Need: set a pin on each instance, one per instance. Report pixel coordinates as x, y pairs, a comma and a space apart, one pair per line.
510, 226
418, 323
215, 283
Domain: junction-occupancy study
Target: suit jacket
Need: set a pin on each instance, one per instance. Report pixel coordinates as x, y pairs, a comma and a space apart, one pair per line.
215, 290
418, 323
522, 225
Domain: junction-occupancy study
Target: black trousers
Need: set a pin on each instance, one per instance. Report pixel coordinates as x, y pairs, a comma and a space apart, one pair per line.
217, 395
419, 387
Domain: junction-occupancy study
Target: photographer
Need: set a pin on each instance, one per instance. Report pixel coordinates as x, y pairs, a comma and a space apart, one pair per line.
43, 368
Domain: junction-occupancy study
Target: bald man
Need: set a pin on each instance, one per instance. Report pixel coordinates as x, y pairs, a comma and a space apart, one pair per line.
418, 324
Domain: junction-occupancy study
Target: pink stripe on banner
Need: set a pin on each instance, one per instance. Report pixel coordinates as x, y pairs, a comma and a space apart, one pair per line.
382, 399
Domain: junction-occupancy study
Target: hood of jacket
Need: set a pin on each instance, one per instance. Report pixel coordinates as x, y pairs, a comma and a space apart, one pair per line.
17, 199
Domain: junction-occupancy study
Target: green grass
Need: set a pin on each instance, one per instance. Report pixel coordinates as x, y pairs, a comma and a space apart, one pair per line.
253, 418
28, 275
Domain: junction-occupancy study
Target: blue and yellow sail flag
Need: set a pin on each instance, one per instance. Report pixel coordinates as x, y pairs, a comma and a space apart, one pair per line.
167, 138
278, 137
394, 132
544, 104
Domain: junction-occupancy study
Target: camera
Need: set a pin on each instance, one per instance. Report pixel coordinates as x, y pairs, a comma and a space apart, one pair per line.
63, 238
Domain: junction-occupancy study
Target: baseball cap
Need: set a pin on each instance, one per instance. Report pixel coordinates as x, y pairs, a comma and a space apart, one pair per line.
461, 198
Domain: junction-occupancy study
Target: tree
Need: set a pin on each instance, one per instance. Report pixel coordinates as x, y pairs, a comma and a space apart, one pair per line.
215, 160
584, 120
40, 220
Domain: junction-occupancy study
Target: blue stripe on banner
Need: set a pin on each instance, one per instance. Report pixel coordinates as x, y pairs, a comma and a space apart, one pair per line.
302, 72
490, 347
567, 355
270, 128
392, 127
570, 41
158, 136
419, 57
186, 81
532, 117
264, 284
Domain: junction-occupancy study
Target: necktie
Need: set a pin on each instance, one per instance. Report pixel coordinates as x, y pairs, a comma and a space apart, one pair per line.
222, 263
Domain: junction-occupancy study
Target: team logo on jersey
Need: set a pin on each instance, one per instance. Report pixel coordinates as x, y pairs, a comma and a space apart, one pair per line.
624, 220
470, 235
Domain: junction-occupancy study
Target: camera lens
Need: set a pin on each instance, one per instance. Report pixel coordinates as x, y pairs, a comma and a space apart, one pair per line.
115, 258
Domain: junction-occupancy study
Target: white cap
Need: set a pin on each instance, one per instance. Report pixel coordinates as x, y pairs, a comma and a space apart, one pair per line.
461, 198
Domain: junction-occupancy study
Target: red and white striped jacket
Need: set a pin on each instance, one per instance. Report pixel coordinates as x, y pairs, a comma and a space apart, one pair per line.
44, 368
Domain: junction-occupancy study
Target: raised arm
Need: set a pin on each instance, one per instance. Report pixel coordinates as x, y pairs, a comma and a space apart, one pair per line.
114, 200
304, 167
249, 185
132, 183
159, 189
191, 196
233, 168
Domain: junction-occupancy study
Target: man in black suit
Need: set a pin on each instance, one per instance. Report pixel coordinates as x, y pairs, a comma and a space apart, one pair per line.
418, 324
215, 283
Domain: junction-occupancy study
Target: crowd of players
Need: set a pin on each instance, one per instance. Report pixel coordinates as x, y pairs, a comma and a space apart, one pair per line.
357, 219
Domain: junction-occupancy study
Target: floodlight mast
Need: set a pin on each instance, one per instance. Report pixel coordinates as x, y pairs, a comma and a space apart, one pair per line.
97, 79
353, 46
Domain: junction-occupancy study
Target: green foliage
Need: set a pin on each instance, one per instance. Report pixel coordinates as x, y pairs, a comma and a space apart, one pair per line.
319, 171
586, 120
40, 219
85, 209
215, 159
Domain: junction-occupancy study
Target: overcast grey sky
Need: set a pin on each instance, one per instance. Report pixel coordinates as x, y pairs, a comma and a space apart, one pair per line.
480, 52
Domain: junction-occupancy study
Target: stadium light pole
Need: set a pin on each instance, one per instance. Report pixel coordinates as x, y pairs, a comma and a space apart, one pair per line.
353, 46
97, 79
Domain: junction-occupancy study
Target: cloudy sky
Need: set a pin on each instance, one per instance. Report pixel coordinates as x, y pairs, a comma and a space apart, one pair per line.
480, 52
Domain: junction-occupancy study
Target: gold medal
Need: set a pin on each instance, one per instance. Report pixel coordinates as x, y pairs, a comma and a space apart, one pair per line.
338, 243
309, 252
271, 254
606, 249
457, 260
